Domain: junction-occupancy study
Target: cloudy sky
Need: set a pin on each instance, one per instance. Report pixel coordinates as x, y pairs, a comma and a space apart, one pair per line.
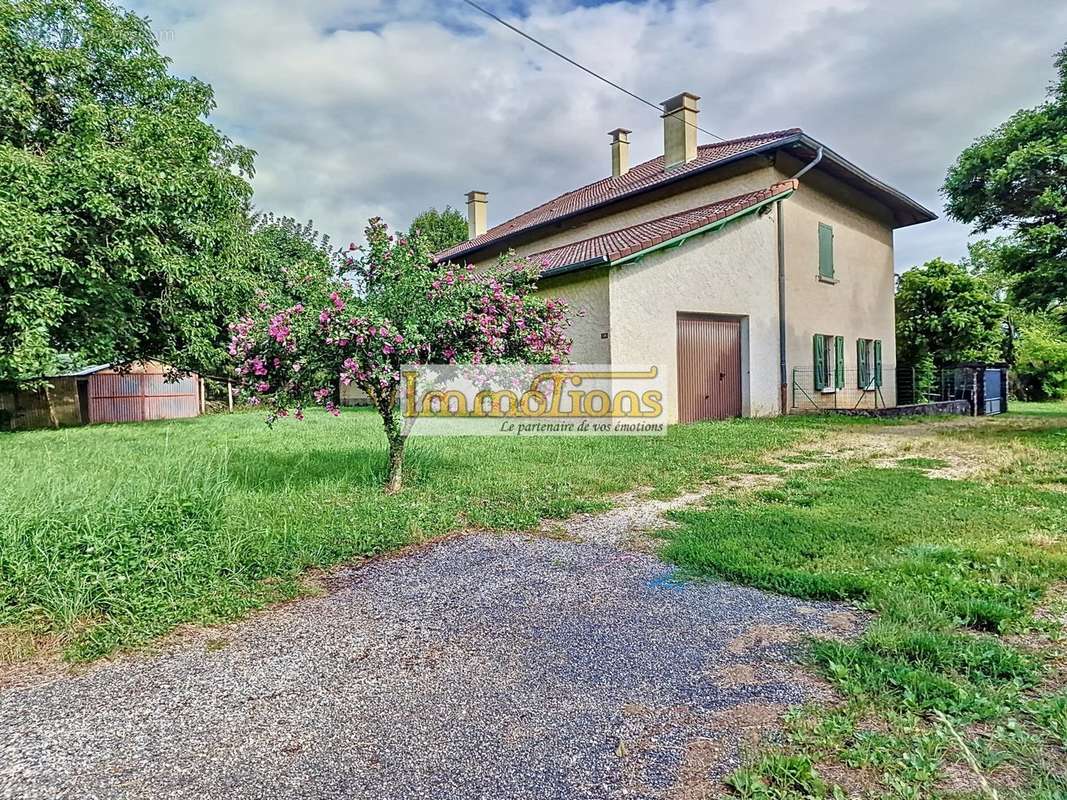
386, 107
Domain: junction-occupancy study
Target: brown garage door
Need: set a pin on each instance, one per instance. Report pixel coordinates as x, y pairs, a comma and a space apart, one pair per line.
709, 368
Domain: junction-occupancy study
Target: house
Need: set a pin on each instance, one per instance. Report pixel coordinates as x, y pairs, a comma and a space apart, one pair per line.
756, 272
102, 393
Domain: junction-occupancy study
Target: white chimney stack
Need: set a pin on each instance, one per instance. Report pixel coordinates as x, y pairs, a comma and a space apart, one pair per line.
477, 213
620, 152
679, 129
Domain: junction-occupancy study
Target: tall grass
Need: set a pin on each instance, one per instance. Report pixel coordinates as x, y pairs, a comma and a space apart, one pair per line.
111, 535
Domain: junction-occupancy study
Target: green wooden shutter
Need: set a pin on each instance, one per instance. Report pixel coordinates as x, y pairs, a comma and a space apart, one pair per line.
839, 362
862, 365
878, 362
826, 250
819, 361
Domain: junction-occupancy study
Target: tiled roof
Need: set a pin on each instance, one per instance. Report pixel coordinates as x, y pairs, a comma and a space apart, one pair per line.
639, 179
627, 241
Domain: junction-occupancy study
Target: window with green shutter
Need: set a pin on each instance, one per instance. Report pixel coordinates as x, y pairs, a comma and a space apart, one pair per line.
826, 251
818, 352
869, 361
839, 362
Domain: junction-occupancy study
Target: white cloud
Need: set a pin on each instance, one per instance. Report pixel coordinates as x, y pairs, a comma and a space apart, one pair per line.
371, 107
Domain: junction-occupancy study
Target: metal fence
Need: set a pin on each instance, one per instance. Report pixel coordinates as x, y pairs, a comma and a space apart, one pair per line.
983, 386
843, 390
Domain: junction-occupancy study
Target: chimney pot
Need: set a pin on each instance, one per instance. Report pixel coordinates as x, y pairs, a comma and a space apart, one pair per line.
680, 129
620, 152
477, 210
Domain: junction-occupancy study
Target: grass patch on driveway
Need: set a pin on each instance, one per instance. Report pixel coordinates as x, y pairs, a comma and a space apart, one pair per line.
111, 535
954, 570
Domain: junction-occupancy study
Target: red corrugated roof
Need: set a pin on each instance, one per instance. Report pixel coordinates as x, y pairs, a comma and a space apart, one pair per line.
639, 179
627, 241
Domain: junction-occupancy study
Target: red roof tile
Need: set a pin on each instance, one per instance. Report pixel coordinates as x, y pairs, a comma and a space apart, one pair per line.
627, 241
639, 179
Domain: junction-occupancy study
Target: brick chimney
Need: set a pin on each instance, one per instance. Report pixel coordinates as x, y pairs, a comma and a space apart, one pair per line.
679, 129
620, 152
477, 210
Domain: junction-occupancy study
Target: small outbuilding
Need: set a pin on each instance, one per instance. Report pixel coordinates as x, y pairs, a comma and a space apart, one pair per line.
103, 393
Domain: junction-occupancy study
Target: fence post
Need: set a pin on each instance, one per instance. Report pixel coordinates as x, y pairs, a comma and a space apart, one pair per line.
229, 394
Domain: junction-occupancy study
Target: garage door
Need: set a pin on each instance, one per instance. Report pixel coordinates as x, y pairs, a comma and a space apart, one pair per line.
709, 368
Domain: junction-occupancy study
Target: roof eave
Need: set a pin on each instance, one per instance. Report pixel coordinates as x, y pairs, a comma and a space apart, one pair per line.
589, 263
674, 241
682, 175
918, 212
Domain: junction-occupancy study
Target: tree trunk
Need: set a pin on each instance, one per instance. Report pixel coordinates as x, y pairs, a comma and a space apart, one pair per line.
394, 481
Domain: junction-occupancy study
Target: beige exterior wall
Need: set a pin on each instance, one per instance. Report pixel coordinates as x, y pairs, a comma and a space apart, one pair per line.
858, 305
732, 272
587, 294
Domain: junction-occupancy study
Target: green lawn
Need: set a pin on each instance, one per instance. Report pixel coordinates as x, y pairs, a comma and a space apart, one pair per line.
954, 570
111, 535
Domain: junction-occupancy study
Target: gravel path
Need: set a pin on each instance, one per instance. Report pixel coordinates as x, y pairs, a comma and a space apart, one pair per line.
479, 667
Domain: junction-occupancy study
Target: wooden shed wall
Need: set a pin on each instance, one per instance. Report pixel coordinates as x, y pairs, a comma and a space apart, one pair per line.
26, 410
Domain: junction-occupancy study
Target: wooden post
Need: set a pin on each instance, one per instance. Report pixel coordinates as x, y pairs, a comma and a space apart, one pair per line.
229, 394
203, 395
53, 422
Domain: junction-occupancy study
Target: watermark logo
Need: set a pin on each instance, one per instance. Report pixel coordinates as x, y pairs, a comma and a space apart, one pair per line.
533, 400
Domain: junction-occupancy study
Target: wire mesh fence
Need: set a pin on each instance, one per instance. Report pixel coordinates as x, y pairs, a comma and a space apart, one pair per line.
983, 386
842, 389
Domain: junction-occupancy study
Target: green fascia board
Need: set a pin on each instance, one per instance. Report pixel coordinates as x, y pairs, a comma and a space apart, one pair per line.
711, 227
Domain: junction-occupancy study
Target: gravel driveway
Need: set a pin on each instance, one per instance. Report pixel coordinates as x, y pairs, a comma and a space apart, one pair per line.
479, 667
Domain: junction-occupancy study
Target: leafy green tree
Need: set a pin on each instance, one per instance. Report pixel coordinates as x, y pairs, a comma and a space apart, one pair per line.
440, 229
289, 261
124, 215
946, 315
1016, 178
284, 241
1040, 357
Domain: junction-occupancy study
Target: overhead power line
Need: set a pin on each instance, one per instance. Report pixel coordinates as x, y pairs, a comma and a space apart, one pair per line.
583, 68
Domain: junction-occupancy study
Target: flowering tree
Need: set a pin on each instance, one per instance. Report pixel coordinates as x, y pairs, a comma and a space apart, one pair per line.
399, 308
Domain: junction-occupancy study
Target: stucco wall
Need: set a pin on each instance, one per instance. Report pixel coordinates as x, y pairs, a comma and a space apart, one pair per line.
590, 310
732, 272
859, 304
